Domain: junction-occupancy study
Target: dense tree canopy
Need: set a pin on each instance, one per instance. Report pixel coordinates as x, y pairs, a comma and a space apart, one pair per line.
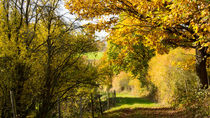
162, 23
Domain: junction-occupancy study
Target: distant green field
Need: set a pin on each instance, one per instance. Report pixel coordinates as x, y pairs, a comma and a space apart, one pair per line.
94, 55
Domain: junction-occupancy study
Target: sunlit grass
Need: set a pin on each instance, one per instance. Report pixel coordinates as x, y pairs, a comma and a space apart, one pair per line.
134, 106
94, 55
128, 101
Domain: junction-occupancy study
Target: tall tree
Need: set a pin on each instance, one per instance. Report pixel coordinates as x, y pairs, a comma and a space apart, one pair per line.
38, 49
183, 23
16, 35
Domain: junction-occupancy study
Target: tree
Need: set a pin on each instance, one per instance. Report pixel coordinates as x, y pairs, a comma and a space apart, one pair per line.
62, 49
41, 56
133, 58
16, 36
162, 23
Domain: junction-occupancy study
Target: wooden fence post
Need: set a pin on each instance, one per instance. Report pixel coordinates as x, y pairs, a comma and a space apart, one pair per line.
99, 99
59, 108
108, 100
92, 106
13, 104
114, 98
80, 107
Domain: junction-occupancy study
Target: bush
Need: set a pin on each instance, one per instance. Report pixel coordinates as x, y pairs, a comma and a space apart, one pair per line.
120, 82
176, 81
168, 69
125, 82
192, 98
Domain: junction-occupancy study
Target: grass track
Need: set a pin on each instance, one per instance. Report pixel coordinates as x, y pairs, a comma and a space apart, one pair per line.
128, 101
129, 106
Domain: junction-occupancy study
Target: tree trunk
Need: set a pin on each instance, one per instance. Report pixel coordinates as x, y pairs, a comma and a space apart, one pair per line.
201, 56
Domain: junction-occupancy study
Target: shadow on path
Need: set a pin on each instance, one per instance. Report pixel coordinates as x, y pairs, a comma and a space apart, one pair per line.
132, 100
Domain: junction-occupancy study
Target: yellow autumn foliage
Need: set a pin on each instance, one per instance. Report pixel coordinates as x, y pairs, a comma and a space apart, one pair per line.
168, 70
125, 82
180, 22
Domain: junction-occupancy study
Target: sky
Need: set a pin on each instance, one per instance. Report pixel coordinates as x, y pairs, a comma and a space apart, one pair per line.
70, 17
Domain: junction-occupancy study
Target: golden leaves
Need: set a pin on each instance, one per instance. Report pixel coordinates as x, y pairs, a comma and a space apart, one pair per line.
150, 19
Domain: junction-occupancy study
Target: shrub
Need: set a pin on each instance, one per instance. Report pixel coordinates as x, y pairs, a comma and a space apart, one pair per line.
192, 98
126, 82
168, 69
120, 82
177, 83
